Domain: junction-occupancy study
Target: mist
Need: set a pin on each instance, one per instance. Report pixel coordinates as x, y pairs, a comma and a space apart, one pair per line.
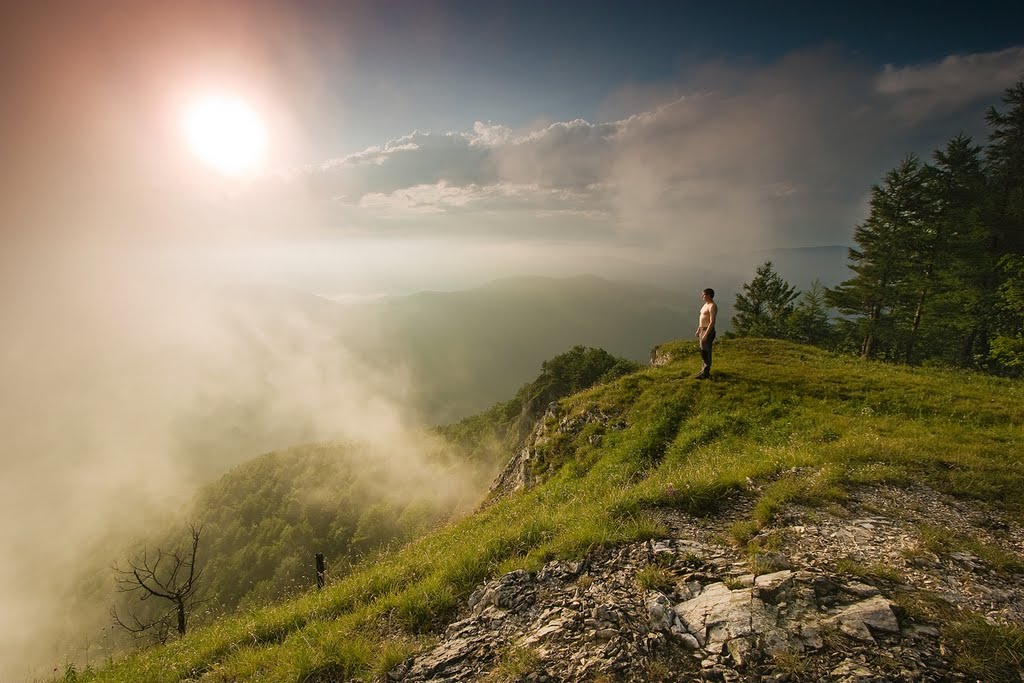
128, 382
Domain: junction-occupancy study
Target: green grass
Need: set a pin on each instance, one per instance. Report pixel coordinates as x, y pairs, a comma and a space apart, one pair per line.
781, 424
653, 577
875, 571
513, 663
979, 649
990, 652
943, 542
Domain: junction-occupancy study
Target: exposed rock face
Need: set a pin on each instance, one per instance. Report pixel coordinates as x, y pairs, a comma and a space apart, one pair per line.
705, 617
580, 619
519, 473
659, 356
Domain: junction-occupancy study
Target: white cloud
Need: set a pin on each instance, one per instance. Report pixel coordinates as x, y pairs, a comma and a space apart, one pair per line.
490, 134
774, 155
926, 89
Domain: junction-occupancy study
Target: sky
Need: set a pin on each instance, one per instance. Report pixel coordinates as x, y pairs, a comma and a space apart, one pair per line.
408, 146
672, 132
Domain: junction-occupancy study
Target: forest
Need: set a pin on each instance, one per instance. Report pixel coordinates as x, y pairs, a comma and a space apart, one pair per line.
938, 266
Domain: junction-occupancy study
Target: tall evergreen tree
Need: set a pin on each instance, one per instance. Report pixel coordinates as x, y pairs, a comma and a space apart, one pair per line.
1006, 166
1005, 217
945, 252
1008, 344
938, 260
809, 322
763, 309
877, 296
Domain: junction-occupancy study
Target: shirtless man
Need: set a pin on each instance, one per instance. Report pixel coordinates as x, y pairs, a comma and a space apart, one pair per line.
706, 331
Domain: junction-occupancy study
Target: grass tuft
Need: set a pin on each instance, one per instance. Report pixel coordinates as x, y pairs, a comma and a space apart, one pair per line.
872, 572
988, 652
512, 664
654, 577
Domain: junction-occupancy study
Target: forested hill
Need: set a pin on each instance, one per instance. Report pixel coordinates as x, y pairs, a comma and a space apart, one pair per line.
264, 521
784, 465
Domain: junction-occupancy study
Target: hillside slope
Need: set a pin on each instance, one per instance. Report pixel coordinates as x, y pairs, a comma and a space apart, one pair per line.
770, 468
263, 521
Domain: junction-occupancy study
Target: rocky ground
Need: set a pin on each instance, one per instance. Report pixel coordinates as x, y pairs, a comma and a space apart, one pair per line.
828, 596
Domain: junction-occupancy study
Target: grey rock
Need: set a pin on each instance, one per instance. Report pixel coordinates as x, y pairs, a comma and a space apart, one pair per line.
513, 592
851, 671
875, 612
861, 590
720, 631
810, 636
660, 613
740, 649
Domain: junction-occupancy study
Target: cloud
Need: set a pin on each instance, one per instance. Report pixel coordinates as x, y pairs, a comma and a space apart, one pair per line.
956, 81
774, 155
416, 159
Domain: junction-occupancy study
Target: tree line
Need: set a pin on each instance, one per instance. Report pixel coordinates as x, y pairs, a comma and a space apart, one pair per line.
938, 266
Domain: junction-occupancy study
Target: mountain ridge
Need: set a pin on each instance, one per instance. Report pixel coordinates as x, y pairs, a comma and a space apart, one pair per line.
655, 463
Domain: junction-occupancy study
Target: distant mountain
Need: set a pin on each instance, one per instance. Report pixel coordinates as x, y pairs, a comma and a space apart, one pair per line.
469, 349
295, 358
725, 271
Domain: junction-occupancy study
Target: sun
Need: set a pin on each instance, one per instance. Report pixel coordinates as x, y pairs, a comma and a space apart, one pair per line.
226, 134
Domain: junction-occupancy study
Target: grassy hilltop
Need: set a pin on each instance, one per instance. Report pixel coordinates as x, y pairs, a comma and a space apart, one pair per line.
780, 425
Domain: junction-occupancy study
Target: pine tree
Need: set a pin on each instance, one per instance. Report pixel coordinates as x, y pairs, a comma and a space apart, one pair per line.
1008, 345
945, 251
764, 308
1005, 220
809, 322
877, 296
1006, 166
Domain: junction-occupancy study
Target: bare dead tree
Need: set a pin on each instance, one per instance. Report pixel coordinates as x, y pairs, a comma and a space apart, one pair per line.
170, 576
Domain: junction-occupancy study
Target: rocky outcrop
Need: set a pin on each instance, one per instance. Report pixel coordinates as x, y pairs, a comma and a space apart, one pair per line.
596, 616
661, 356
686, 607
521, 471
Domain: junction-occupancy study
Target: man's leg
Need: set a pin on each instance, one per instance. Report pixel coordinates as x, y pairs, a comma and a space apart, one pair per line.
705, 354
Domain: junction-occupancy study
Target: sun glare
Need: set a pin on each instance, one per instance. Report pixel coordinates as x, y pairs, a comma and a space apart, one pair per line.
226, 134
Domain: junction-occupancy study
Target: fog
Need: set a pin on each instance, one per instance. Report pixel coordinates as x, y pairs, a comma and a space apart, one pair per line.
125, 386
134, 373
